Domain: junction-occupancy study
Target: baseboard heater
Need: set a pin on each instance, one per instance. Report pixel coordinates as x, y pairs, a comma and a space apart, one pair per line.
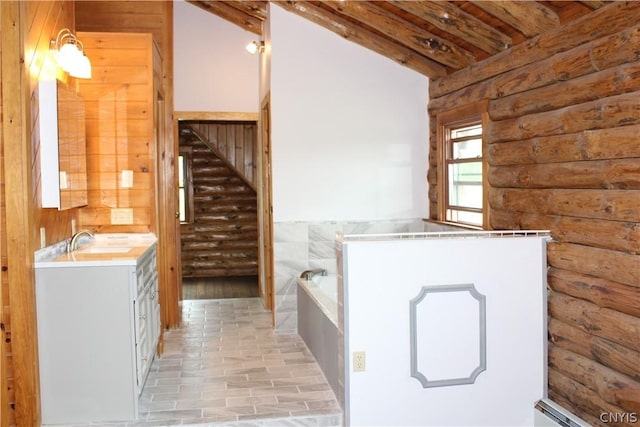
548, 414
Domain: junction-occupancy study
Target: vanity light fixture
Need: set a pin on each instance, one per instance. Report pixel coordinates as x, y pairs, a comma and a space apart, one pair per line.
255, 47
69, 54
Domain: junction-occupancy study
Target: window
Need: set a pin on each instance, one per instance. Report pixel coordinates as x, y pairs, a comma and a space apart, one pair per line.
185, 186
461, 169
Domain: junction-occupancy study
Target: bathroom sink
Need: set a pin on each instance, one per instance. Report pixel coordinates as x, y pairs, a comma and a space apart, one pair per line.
105, 250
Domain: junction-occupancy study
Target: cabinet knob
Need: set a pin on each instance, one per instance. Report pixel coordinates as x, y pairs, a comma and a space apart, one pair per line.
143, 317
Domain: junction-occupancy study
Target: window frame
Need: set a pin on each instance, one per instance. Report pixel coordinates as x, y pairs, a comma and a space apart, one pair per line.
460, 117
187, 154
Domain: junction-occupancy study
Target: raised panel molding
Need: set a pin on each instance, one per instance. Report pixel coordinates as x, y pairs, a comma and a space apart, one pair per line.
448, 335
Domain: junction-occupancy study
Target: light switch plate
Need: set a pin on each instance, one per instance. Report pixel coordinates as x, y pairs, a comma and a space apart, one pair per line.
126, 179
122, 216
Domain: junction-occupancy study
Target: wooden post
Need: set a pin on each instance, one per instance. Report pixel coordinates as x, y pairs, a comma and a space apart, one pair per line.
19, 214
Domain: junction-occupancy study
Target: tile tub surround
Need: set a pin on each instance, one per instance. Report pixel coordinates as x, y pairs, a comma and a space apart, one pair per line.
227, 367
302, 245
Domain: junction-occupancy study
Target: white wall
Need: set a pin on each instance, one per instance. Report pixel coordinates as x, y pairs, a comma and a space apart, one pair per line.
212, 70
349, 128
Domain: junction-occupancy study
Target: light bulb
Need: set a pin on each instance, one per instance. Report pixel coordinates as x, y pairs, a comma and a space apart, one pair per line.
252, 47
67, 56
82, 68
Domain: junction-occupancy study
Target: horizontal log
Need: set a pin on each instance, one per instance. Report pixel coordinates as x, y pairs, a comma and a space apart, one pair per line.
612, 205
614, 143
619, 110
569, 406
405, 32
614, 81
206, 168
530, 18
603, 351
218, 179
219, 272
611, 174
605, 323
200, 245
458, 23
603, 22
214, 204
222, 235
195, 243
226, 191
582, 397
207, 230
506, 89
615, 388
602, 292
244, 217
229, 265
220, 258
614, 235
612, 265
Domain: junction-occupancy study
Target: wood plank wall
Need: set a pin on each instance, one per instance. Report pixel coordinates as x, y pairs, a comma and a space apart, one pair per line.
27, 29
119, 126
236, 142
563, 147
19, 399
155, 17
222, 240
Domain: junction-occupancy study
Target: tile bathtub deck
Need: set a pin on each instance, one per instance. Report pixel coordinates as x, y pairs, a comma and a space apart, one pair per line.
227, 366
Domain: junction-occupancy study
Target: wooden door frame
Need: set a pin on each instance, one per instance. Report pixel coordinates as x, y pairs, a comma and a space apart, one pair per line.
265, 217
179, 116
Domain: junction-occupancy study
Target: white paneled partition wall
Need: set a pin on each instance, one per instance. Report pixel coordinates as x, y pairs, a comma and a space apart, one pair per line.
452, 327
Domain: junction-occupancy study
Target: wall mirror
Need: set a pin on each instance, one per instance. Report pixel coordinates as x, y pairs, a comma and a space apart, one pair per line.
63, 149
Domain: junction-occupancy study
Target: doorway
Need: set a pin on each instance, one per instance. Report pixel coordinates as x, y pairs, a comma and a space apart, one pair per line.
217, 174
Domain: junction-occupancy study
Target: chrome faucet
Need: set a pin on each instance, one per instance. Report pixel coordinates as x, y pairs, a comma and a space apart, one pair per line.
73, 243
308, 274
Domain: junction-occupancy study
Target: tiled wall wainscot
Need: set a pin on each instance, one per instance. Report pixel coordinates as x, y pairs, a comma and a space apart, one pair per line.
303, 245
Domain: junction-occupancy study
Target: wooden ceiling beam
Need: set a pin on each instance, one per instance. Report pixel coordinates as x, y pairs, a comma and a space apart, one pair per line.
257, 9
450, 18
231, 14
365, 38
529, 17
404, 32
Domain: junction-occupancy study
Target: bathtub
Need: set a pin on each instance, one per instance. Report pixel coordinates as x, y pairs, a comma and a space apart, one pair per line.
318, 322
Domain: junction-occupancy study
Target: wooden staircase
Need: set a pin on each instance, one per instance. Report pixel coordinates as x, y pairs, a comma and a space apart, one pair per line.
222, 239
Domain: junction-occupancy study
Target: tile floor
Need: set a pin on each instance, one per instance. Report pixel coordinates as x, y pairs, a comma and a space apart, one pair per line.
227, 367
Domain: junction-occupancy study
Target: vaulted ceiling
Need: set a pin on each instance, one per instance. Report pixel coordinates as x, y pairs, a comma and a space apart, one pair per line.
434, 38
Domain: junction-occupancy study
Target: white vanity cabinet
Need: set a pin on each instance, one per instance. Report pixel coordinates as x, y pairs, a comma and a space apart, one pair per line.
98, 330
146, 316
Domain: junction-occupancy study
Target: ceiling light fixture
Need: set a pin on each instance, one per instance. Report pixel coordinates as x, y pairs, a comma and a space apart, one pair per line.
255, 47
69, 54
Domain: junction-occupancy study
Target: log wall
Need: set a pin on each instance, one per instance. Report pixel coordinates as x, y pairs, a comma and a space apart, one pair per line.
563, 147
222, 240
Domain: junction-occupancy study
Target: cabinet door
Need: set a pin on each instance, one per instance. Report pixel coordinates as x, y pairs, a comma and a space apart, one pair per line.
141, 311
154, 314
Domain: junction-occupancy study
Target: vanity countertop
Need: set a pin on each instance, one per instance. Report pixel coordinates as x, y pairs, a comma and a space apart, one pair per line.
103, 250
